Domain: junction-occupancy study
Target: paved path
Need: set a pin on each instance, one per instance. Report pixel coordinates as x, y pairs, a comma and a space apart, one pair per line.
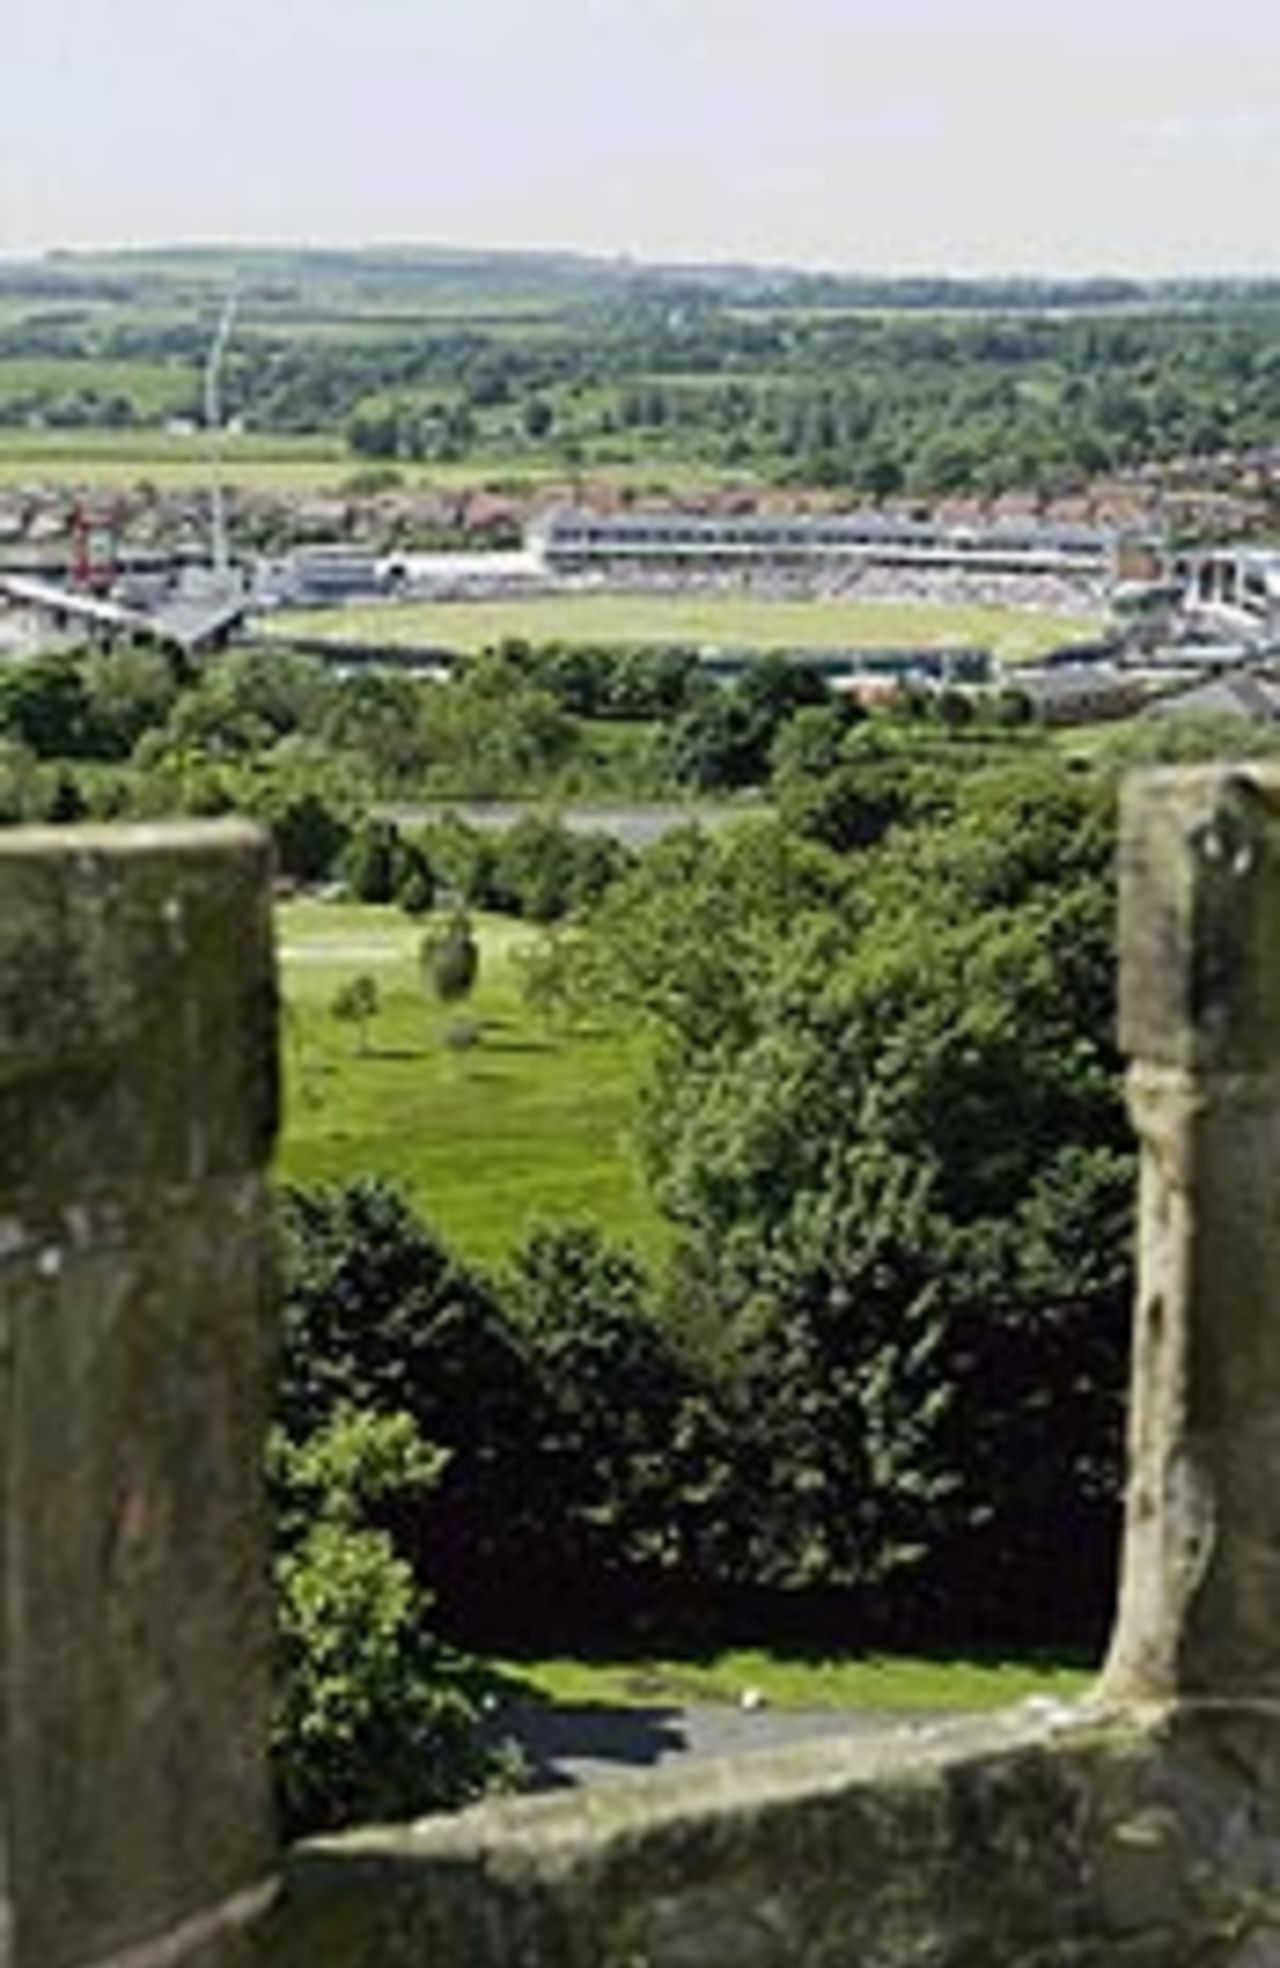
564, 1744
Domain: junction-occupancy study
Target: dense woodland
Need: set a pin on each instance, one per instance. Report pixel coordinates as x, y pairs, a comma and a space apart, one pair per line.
134, 733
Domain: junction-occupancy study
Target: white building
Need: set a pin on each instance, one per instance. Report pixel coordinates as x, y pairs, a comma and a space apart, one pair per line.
570, 542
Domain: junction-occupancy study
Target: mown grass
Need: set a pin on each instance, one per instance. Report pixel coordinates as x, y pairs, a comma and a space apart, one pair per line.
526, 1125
862, 1681
701, 619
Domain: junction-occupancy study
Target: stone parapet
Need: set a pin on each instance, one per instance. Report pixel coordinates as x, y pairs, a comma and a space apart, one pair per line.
1139, 1829
1072, 1839
1200, 1018
137, 1007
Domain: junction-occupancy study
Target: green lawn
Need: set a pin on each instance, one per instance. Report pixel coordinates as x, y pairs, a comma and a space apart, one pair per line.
525, 1125
707, 620
864, 1681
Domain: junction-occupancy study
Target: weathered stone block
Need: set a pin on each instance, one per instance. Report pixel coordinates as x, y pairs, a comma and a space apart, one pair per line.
1080, 1841
1200, 918
1200, 1014
136, 1105
137, 1005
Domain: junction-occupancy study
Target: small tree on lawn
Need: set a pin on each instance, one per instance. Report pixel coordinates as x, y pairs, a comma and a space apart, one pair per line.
450, 958
356, 1003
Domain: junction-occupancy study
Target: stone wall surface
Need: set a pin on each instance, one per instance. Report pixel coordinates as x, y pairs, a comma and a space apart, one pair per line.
1199, 1612
1085, 1840
136, 1111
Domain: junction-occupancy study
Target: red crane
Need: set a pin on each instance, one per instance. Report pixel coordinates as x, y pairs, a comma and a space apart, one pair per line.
94, 563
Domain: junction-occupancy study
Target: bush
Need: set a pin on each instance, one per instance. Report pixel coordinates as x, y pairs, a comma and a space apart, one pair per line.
356, 1003
368, 862
449, 957
309, 835
379, 1316
374, 1719
415, 884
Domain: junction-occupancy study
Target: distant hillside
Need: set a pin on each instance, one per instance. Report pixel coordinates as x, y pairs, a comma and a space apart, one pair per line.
299, 279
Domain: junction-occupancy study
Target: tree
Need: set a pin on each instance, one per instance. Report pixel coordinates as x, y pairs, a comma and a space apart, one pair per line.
584, 1467
374, 433
131, 689
953, 710
462, 859
45, 705
309, 834
22, 783
810, 744
724, 738
66, 802
867, 1117
374, 1718
379, 1316
415, 884
538, 418
449, 958
368, 863
535, 868
629, 1436
711, 746
883, 475
251, 698
356, 1003
379, 717
490, 731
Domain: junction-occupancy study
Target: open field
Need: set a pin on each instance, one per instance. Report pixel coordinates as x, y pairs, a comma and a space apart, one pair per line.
152, 387
706, 620
862, 1681
120, 458
525, 1125
272, 461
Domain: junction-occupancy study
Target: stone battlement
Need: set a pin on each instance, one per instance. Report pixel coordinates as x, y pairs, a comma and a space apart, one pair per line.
1138, 1829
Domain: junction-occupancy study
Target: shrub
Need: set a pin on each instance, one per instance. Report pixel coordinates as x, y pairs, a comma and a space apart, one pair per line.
374, 1719
356, 1003
449, 957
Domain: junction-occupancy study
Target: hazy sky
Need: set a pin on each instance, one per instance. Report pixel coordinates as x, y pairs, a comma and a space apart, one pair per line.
1125, 135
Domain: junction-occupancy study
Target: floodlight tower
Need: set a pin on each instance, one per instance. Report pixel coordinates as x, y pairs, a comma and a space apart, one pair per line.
213, 425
